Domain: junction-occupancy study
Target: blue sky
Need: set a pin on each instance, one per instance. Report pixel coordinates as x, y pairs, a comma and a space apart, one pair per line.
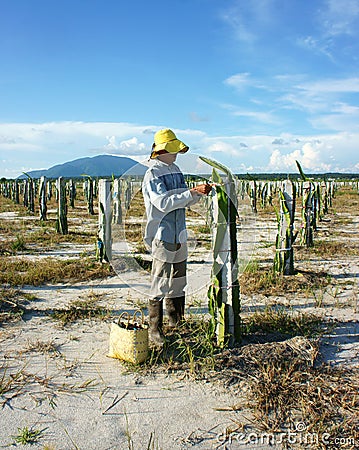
255, 84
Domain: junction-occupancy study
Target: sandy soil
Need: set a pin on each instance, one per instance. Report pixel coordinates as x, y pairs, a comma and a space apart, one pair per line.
66, 386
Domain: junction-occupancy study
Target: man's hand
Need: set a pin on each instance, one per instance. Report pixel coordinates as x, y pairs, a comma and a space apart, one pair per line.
202, 189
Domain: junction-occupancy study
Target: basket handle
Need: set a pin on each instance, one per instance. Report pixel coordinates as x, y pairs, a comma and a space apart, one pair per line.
125, 313
138, 311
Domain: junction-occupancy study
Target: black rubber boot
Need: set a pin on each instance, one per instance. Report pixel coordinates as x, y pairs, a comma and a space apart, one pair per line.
175, 310
155, 312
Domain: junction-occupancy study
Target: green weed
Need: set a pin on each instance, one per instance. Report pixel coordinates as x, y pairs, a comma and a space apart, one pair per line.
28, 435
18, 244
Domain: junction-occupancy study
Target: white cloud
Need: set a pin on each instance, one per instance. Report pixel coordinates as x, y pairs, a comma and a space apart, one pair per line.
317, 99
316, 45
303, 102
112, 145
309, 157
241, 30
338, 122
247, 19
243, 80
260, 116
220, 147
127, 147
339, 85
329, 104
345, 109
256, 115
238, 81
322, 153
338, 17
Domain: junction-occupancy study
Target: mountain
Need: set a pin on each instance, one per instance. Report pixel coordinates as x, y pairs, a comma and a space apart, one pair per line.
97, 166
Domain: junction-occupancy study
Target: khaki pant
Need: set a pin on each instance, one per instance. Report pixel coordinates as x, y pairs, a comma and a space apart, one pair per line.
169, 264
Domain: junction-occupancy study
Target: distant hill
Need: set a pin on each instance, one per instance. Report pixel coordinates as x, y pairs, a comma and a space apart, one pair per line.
97, 166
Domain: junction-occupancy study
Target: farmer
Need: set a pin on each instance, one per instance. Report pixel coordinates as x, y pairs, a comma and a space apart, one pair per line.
166, 196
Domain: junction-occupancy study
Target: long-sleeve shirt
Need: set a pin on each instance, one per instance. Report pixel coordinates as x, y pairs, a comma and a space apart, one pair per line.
166, 196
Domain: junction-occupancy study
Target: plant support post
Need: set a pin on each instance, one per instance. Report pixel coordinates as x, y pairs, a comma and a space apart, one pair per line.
117, 208
42, 198
105, 218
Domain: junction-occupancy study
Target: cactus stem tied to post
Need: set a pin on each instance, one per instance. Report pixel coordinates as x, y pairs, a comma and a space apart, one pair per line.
284, 256
224, 291
61, 223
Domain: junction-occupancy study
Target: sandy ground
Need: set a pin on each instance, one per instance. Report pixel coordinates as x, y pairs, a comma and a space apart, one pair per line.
81, 399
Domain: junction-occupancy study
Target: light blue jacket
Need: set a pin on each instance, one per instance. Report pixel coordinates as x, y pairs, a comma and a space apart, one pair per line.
166, 196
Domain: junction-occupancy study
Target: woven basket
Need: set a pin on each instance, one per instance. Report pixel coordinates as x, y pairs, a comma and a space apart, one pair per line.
129, 338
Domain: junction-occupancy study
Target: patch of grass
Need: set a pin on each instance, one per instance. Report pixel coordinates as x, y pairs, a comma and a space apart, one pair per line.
280, 320
249, 267
39, 346
43, 238
264, 280
18, 244
28, 435
346, 199
190, 348
134, 232
7, 204
5, 249
21, 271
11, 384
11, 305
29, 296
330, 249
10, 246
79, 310
266, 244
200, 229
47, 236
137, 206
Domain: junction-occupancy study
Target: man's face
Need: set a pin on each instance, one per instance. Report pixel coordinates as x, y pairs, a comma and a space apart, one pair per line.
167, 158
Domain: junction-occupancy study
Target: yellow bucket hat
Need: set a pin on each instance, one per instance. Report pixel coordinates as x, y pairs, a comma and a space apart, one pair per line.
167, 142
